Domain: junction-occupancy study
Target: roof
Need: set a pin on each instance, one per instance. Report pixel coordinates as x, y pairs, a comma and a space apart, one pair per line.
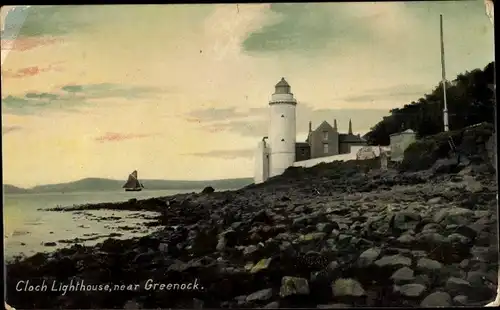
345, 137
323, 125
282, 82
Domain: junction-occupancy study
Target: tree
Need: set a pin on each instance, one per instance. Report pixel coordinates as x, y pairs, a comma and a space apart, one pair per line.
470, 101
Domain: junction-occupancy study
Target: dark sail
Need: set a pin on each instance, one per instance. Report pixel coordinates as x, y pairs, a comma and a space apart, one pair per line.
133, 182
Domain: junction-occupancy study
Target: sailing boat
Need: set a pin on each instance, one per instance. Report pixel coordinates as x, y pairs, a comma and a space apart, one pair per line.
133, 184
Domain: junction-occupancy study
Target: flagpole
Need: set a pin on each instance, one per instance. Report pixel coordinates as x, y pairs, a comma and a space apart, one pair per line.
443, 80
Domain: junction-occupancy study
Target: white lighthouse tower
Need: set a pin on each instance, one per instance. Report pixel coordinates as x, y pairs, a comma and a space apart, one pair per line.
282, 129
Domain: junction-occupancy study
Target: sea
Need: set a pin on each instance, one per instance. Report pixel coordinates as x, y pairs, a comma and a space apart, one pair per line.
28, 229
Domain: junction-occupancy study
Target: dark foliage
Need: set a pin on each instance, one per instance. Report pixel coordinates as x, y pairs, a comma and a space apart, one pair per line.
470, 101
470, 142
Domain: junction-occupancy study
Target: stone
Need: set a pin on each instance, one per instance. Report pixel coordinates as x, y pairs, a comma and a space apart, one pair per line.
368, 257
423, 279
434, 200
221, 244
250, 250
261, 295
132, 304
457, 238
437, 299
410, 290
293, 286
472, 185
459, 216
272, 305
332, 266
261, 265
428, 265
393, 261
456, 286
431, 227
163, 247
405, 239
467, 231
402, 275
460, 300
208, 190
444, 165
405, 220
325, 227
312, 236
477, 278
347, 287
464, 264
431, 237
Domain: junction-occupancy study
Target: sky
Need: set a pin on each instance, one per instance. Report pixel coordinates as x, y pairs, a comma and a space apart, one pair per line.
181, 91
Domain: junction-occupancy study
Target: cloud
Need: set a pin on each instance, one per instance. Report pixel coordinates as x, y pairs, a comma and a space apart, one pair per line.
305, 27
226, 154
254, 122
29, 71
249, 122
33, 102
218, 114
247, 128
11, 19
302, 28
25, 44
70, 97
9, 129
109, 90
404, 93
115, 137
50, 20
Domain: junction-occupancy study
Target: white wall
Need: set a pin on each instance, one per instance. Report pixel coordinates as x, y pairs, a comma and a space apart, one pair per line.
399, 143
282, 134
368, 152
261, 158
328, 159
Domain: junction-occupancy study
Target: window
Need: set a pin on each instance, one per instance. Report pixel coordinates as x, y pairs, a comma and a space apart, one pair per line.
325, 148
325, 135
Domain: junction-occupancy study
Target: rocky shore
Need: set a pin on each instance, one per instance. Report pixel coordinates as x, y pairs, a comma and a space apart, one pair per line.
336, 235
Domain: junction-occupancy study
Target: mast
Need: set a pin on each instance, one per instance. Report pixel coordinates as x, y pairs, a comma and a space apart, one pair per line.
443, 72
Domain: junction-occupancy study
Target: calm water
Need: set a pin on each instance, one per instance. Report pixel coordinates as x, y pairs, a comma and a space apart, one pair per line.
26, 228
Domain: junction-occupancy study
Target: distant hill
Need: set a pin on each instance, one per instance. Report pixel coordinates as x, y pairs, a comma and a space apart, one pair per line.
98, 184
11, 189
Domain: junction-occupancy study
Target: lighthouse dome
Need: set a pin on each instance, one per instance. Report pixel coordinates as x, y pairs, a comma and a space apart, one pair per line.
282, 87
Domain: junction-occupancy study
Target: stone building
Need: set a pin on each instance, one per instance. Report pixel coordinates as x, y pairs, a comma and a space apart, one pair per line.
326, 140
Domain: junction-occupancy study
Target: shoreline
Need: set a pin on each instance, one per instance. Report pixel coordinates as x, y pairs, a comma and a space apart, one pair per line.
338, 235
31, 229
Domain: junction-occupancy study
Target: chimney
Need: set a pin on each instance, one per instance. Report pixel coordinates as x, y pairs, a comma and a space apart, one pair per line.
335, 124
350, 127
310, 126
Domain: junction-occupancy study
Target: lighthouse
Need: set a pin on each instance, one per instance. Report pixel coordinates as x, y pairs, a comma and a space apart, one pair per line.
282, 129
